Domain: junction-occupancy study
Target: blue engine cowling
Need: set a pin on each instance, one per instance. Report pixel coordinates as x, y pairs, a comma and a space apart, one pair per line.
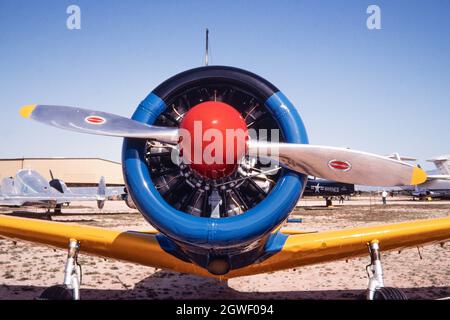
197, 235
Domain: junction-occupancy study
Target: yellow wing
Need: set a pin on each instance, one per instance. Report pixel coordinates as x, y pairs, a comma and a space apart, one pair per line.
137, 247
299, 249
313, 248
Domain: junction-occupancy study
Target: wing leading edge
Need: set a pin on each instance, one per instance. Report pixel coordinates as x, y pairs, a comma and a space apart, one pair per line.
313, 248
136, 247
298, 250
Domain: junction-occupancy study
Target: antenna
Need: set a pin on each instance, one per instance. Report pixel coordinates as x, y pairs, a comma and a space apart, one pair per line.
207, 48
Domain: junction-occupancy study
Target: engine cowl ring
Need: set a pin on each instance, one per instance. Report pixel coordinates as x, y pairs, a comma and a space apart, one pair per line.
241, 229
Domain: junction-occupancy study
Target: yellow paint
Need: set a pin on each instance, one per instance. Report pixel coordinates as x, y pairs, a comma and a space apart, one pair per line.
136, 247
418, 176
27, 110
299, 250
296, 231
314, 248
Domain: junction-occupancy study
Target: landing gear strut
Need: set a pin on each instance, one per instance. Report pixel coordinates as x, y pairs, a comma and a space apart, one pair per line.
376, 289
70, 289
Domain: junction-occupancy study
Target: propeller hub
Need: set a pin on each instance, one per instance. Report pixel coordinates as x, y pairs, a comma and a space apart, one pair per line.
213, 139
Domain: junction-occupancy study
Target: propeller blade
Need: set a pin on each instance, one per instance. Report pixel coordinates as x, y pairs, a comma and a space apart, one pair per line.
339, 164
97, 122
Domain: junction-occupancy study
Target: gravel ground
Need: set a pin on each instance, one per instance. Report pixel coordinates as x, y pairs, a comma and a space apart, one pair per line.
27, 269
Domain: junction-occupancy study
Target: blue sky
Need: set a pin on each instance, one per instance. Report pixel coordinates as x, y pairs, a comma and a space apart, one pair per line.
375, 90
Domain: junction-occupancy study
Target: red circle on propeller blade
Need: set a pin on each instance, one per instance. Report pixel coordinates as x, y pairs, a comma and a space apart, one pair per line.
338, 165
95, 120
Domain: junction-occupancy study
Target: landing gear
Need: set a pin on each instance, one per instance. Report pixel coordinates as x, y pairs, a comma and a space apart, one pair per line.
70, 289
100, 204
58, 209
329, 202
376, 289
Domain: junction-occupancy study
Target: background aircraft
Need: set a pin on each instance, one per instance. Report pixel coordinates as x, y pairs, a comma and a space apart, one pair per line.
437, 184
213, 219
29, 188
327, 189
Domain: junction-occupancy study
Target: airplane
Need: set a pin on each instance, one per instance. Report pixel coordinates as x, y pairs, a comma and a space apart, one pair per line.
327, 189
30, 188
436, 185
223, 219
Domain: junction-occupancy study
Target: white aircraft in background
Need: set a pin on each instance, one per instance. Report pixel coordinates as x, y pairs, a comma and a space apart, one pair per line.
30, 188
437, 184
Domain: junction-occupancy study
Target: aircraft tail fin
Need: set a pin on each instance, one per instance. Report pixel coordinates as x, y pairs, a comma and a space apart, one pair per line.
442, 163
8, 186
101, 193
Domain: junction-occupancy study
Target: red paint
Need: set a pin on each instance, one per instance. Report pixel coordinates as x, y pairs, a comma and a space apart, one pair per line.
95, 120
339, 165
204, 123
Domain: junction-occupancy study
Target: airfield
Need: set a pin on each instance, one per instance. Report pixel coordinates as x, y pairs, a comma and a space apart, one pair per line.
27, 269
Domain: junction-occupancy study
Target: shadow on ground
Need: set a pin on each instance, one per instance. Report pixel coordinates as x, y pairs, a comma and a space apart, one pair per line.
171, 285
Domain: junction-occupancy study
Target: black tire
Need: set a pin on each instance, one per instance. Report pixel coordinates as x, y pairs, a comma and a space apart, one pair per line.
100, 204
129, 202
58, 292
58, 209
387, 293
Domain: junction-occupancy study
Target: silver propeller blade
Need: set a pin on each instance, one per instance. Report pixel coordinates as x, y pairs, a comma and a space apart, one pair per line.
97, 122
336, 164
339, 164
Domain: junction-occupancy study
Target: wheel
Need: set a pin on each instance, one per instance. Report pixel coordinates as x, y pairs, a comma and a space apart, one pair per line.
58, 209
100, 204
387, 293
58, 292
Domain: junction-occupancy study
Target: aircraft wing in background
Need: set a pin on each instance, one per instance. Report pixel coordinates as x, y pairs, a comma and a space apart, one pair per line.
43, 199
438, 177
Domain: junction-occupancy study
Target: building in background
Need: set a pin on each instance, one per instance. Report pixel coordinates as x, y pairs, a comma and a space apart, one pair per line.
73, 171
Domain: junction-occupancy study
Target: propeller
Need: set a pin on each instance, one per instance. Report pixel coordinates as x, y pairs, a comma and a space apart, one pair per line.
337, 164
97, 122
340, 164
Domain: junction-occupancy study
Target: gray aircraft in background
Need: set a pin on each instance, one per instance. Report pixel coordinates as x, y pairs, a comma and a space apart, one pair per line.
437, 184
30, 188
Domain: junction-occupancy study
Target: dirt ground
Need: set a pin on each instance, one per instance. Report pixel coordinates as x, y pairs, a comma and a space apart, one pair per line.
27, 269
